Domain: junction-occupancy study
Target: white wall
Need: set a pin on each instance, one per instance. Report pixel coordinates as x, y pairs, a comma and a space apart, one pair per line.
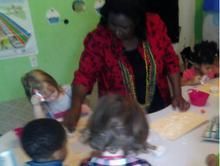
186, 22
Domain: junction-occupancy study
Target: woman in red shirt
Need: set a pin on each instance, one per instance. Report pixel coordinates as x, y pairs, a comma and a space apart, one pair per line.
129, 53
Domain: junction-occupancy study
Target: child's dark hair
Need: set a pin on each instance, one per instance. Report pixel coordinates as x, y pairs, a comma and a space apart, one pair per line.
134, 9
117, 123
204, 52
34, 79
187, 57
42, 137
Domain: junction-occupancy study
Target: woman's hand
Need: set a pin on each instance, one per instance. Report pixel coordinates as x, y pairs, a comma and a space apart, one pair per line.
70, 119
178, 100
72, 116
180, 103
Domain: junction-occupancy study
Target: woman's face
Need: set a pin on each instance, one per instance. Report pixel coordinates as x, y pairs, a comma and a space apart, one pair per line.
121, 26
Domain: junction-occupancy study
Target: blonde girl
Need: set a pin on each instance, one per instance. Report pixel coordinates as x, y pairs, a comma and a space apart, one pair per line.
47, 97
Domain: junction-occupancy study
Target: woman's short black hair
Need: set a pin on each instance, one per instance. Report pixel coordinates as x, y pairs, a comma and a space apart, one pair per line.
133, 9
117, 123
42, 137
205, 52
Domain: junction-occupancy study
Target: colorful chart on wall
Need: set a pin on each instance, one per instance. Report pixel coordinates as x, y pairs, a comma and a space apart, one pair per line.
16, 31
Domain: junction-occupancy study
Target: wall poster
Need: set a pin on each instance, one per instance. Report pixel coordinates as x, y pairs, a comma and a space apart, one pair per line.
16, 31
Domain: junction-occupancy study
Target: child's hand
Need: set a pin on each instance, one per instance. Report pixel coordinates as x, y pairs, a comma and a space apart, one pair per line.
197, 79
85, 110
204, 79
212, 160
36, 100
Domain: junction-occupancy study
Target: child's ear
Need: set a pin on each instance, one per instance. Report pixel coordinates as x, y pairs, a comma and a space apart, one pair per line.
60, 154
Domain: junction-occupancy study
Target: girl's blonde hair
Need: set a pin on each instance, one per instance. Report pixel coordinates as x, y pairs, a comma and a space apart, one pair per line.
35, 79
117, 122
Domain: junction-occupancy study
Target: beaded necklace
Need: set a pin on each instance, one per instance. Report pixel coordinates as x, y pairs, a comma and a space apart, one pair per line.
128, 79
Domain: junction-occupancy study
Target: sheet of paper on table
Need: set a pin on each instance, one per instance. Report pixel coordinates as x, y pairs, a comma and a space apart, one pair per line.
212, 87
177, 124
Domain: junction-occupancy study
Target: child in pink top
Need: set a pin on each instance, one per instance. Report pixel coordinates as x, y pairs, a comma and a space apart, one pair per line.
216, 66
202, 60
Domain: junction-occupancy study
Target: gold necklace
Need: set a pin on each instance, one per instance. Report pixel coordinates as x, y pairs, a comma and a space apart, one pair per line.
150, 77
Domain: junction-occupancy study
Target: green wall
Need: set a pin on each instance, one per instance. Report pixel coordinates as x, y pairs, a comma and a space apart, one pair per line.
198, 20
59, 45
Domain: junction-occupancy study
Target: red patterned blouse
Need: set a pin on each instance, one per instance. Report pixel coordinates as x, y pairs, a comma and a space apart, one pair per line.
103, 56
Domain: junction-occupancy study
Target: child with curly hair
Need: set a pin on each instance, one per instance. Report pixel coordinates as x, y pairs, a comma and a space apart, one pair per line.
202, 63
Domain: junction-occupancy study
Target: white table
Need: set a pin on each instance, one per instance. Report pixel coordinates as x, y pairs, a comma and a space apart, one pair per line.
76, 150
189, 150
